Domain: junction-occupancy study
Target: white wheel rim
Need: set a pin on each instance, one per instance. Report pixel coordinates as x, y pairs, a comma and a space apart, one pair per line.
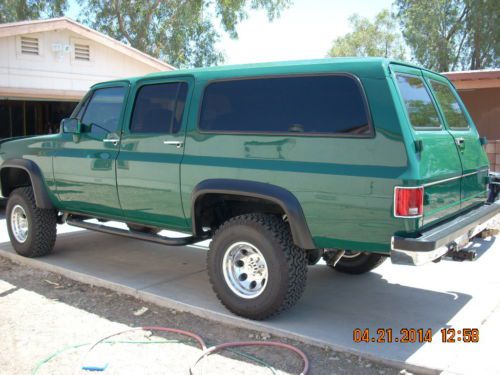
19, 223
245, 270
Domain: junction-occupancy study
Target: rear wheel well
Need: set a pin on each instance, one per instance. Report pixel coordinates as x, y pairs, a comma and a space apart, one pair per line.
13, 178
212, 210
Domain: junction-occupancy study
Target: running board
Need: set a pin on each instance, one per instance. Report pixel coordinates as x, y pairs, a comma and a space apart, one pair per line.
181, 241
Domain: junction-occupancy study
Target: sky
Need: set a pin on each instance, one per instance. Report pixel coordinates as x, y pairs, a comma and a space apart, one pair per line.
304, 31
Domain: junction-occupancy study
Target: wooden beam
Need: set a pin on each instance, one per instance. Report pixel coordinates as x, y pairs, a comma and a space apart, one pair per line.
476, 84
22, 93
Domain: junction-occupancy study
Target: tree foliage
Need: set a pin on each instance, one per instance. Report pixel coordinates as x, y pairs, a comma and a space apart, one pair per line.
181, 32
377, 38
447, 35
20, 10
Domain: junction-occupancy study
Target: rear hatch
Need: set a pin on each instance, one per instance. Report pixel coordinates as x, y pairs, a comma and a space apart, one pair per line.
453, 166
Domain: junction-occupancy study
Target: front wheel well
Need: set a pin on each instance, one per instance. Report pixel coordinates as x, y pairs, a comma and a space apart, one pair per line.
17, 173
13, 178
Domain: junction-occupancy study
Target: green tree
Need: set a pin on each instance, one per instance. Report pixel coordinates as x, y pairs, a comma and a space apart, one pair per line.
377, 38
20, 10
447, 35
181, 32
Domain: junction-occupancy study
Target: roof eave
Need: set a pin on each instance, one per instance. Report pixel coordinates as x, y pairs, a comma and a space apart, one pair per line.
36, 26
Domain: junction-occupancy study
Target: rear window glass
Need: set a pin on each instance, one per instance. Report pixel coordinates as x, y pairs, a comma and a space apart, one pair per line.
418, 102
301, 105
159, 108
453, 113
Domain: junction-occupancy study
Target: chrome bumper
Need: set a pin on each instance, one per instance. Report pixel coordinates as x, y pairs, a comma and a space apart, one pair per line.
436, 242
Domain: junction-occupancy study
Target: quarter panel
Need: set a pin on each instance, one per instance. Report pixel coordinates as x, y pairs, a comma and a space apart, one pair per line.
345, 185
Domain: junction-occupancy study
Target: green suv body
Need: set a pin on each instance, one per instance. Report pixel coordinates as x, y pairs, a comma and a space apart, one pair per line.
350, 159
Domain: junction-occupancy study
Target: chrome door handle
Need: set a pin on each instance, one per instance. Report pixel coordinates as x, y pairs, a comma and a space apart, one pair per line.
114, 141
459, 141
177, 144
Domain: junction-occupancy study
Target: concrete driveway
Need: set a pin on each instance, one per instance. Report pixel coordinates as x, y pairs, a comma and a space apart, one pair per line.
446, 294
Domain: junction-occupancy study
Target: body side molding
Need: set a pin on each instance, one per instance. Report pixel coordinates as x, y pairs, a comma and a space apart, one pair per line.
275, 194
41, 196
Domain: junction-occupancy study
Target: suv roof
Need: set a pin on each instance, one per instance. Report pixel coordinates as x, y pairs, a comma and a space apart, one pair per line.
361, 66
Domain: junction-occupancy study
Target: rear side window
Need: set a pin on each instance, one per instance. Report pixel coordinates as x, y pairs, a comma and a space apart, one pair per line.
332, 104
158, 108
453, 113
104, 109
418, 102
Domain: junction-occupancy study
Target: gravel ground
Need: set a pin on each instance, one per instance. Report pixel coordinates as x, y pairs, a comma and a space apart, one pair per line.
41, 313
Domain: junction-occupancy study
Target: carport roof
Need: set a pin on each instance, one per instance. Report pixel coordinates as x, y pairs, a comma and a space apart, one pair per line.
475, 79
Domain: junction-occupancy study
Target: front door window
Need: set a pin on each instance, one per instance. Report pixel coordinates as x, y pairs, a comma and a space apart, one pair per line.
102, 115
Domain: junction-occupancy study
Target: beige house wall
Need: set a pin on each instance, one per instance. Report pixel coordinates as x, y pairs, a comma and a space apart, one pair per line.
484, 107
480, 92
57, 75
41, 85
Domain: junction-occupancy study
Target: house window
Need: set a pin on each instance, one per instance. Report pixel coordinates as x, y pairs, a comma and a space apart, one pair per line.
82, 52
30, 46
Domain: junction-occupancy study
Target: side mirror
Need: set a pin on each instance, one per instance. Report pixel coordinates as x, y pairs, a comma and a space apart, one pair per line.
71, 125
483, 141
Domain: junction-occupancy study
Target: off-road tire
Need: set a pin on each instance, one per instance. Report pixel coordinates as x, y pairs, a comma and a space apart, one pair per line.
287, 265
144, 229
42, 224
364, 262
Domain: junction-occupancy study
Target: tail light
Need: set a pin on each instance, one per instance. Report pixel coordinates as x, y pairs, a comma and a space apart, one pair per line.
408, 201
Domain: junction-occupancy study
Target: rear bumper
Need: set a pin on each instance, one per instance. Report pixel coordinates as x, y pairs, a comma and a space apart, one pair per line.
436, 241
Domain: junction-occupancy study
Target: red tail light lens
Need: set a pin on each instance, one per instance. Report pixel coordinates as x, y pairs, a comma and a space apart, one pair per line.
408, 202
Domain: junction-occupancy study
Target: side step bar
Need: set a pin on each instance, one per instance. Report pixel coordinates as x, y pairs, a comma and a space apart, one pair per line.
181, 241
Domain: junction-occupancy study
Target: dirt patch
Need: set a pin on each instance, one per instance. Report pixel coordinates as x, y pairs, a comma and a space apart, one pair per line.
42, 313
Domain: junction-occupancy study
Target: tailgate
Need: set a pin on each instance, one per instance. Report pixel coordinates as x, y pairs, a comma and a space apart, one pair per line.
440, 167
458, 122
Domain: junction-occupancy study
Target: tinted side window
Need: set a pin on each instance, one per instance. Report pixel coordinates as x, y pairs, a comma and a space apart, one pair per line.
159, 108
321, 104
449, 104
104, 109
421, 110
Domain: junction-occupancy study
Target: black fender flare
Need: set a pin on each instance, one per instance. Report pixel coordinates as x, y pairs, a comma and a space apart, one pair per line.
278, 195
42, 198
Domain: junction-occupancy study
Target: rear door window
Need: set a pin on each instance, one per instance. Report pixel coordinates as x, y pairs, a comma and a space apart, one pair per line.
159, 108
419, 106
329, 104
455, 117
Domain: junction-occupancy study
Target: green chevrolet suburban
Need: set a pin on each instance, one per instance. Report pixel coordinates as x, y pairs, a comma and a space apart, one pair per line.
279, 164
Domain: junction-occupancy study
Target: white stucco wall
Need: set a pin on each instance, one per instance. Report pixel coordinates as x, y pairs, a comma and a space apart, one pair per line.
54, 71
